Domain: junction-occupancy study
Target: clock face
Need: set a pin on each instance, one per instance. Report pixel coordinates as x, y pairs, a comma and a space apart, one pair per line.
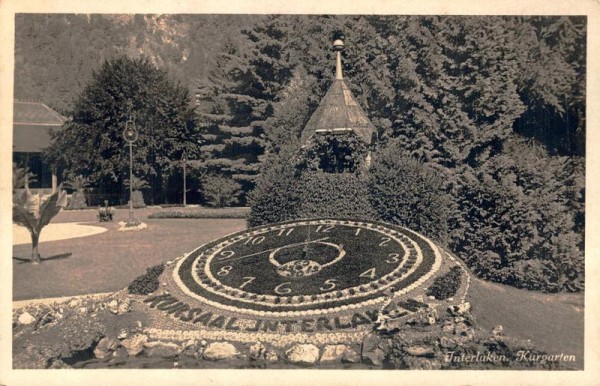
306, 267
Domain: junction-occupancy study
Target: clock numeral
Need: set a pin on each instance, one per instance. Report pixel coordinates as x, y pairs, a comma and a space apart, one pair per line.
247, 280
384, 241
255, 240
324, 228
393, 258
224, 271
283, 288
328, 285
369, 273
226, 254
357, 231
285, 232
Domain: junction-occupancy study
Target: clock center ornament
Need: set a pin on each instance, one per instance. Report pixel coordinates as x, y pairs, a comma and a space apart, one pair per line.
315, 280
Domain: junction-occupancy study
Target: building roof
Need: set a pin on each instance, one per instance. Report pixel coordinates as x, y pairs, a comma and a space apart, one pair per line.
32, 122
338, 111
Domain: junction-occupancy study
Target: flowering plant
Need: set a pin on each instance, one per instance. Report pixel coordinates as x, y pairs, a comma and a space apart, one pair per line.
105, 214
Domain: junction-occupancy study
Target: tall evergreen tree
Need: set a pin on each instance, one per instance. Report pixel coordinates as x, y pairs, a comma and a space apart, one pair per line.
242, 91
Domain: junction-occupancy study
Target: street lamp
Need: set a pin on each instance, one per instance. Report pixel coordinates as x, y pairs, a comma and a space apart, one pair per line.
184, 161
131, 135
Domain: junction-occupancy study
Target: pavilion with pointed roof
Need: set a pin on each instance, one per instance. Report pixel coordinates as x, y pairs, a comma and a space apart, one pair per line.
338, 112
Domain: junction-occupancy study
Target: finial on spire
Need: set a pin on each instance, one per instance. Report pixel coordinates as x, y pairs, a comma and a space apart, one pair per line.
338, 46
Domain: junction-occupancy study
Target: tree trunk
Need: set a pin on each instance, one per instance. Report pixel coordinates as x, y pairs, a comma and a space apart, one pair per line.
35, 256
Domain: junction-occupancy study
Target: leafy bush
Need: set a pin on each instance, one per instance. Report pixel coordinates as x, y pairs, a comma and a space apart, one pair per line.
446, 285
148, 282
220, 191
409, 193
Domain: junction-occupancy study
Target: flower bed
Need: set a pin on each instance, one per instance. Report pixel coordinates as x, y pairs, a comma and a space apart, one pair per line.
400, 279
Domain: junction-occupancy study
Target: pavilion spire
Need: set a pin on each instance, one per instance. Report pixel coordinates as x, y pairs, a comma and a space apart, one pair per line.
338, 46
338, 112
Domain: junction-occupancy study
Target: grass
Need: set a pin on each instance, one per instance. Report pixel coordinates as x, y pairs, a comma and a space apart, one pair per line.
553, 321
121, 214
111, 260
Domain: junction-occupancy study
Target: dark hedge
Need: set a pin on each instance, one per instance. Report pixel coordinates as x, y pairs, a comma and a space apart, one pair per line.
409, 193
202, 213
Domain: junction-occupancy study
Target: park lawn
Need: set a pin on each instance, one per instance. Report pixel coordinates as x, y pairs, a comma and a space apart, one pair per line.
111, 260
89, 215
554, 322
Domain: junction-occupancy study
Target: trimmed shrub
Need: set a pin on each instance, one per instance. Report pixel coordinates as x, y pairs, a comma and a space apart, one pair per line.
171, 206
283, 193
275, 196
203, 213
409, 193
446, 285
343, 195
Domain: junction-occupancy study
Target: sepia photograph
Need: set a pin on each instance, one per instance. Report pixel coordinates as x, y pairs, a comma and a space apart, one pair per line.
343, 191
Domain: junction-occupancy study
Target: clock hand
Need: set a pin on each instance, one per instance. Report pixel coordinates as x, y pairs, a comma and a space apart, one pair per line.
270, 250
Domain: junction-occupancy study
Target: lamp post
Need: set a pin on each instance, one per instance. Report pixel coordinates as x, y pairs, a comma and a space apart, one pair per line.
184, 161
131, 135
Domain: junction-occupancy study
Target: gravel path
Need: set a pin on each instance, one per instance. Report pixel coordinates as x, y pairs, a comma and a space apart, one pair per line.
54, 232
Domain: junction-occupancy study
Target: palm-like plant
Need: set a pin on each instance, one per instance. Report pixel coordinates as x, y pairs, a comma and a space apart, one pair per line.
79, 184
136, 185
21, 177
29, 213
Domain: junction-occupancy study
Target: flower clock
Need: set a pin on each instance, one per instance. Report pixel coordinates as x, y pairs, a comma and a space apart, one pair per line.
323, 280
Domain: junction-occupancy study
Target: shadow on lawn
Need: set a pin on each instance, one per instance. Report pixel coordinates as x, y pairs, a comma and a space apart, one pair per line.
24, 260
